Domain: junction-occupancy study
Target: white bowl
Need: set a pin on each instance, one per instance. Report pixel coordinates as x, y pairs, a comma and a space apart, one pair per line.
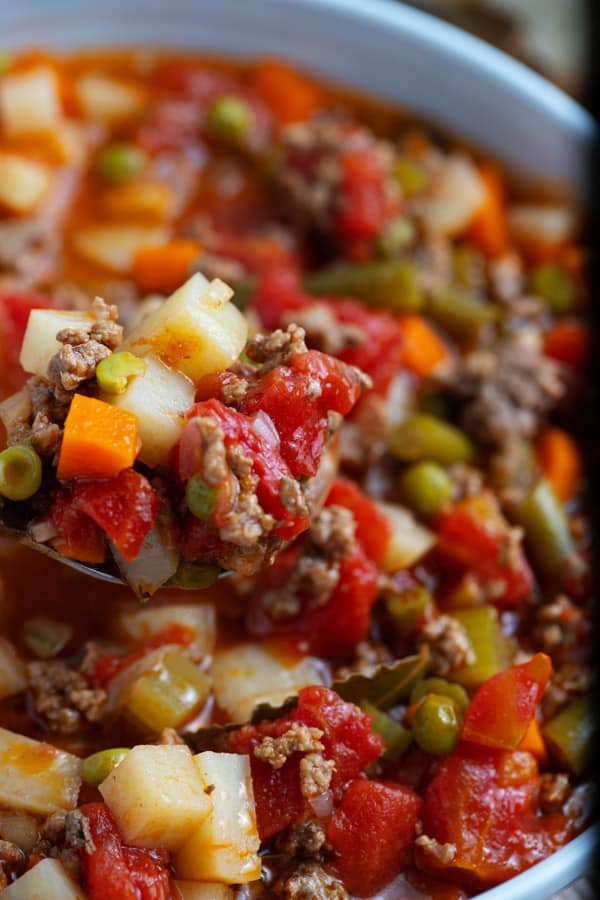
389, 50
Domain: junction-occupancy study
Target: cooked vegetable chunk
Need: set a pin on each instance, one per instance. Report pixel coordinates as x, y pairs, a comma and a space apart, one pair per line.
224, 847
36, 777
47, 880
156, 796
197, 330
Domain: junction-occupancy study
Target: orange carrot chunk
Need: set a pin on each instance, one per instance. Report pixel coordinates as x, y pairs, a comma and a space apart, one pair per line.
165, 267
488, 228
290, 96
423, 350
560, 461
99, 440
533, 741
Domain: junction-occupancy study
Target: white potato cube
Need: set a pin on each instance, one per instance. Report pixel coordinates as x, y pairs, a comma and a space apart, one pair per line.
115, 246
197, 330
144, 624
12, 670
409, 540
159, 399
47, 880
224, 848
457, 193
40, 344
23, 182
36, 777
246, 676
196, 890
547, 224
156, 796
29, 102
107, 99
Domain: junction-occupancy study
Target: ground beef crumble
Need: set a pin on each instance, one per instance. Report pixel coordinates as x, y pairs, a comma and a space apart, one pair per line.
505, 392
12, 862
317, 570
315, 770
305, 840
324, 331
448, 644
555, 789
274, 349
566, 683
62, 697
310, 881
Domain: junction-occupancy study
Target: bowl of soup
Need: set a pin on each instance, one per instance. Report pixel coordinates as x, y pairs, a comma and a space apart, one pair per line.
292, 344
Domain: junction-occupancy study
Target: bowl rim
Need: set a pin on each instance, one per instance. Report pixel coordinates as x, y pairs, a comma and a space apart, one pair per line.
457, 43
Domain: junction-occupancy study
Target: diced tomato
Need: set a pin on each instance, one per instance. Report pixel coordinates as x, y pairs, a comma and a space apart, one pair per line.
333, 629
475, 535
501, 710
117, 871
267, 462
14, 315
569, 343
124, 507
370, 833
347, 739
287, 395
77, 536
482, 801
364, 205
373, 528
278, 290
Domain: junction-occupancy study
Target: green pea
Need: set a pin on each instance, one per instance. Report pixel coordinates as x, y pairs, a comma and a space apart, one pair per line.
436, 724
398, 235
554, 285
113, 372
443, 688
121, 162
408, 607
99, 765
411, 176
20, 472
201, 499
229, 119
195, 576
424, 437
426, 488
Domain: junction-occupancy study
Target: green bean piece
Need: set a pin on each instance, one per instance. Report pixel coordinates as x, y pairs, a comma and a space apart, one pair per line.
46, 638
424, 437
201, 499
442, 688
392, 285
569, 734
488, 643
5, 61
555, 286
397, 738
169, 695
459, 313
99, 765
397, 236
410, 175
547, 533
229, 118
115, 371
408, 607
436, 724
195, 576
20, 472
121, 162
426, 488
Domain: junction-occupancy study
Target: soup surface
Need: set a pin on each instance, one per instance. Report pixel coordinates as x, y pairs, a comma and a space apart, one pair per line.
391, 702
